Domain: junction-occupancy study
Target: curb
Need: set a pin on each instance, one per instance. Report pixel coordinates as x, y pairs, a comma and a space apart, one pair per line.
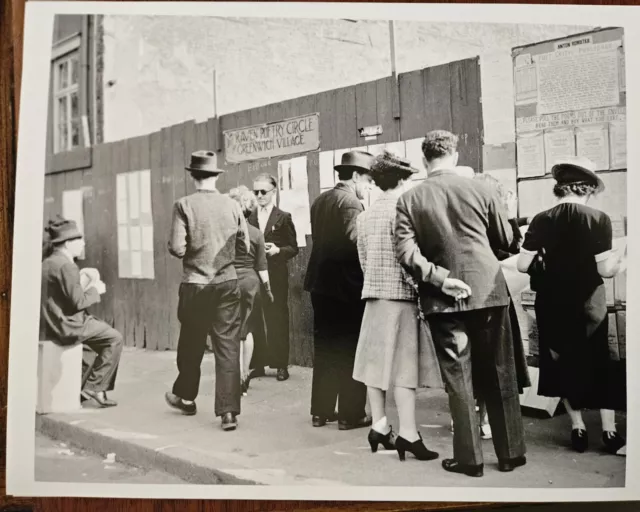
188, 467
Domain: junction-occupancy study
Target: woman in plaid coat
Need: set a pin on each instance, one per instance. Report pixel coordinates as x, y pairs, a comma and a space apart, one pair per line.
395, 347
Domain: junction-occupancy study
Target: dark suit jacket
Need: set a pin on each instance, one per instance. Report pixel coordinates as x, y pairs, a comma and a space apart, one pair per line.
63, 301
451, 226
334, 268
281, 231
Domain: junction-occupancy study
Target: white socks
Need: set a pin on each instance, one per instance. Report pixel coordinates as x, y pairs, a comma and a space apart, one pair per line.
608, 418
381, 426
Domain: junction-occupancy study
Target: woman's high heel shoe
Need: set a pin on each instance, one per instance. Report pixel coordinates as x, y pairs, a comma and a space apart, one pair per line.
419, 450
386, 440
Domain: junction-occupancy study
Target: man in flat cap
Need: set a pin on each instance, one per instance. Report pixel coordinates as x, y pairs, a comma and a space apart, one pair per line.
334, 279
206, 226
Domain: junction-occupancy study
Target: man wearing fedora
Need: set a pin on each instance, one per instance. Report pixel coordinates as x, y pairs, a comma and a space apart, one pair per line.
334, 278
448, 230
63, 311
206, 226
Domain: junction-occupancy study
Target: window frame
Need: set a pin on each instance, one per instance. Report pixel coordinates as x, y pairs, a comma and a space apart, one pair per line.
67, 50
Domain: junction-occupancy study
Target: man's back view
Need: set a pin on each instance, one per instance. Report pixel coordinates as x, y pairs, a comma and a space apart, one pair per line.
206, 227
447, 231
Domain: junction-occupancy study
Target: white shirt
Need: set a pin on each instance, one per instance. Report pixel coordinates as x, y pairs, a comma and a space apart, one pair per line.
263, 216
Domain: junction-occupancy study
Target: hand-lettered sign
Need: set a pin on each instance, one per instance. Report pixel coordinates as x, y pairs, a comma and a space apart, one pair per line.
288, 137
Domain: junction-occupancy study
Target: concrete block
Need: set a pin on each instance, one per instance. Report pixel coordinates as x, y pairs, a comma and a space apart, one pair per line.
59, 377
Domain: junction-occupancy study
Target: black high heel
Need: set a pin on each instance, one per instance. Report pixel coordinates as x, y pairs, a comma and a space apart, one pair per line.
419, 450
386, 440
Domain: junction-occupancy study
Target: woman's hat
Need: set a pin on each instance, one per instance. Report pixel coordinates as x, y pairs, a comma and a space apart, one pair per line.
359, 161
576, 169
204, 162
387, 163
62, 230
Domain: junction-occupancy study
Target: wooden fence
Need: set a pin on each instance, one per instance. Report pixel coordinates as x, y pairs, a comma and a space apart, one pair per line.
144, 310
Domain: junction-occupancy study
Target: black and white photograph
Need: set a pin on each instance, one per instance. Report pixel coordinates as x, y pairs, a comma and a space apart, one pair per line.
324, 250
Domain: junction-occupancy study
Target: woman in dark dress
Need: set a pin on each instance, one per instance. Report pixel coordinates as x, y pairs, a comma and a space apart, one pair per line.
251, 268
574, 242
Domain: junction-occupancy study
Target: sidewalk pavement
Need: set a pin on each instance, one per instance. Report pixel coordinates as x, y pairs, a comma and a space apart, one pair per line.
275, 443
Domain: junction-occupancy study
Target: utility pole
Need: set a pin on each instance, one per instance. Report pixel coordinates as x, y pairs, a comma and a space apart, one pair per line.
215, 94
395, 87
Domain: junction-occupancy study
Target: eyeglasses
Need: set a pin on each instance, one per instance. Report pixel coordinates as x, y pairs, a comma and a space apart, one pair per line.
263, 192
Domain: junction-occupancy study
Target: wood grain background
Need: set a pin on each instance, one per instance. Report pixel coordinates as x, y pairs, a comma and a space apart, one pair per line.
11, 40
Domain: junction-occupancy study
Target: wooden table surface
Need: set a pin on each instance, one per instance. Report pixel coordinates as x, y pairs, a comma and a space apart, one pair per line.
11, 39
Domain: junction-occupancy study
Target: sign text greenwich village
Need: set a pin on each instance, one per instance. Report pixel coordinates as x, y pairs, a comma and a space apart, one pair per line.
296, 135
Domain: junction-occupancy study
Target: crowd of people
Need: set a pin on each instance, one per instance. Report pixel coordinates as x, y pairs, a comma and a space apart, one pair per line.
407, 293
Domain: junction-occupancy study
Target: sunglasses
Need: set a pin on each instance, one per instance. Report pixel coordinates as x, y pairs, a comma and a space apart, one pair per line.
263, 192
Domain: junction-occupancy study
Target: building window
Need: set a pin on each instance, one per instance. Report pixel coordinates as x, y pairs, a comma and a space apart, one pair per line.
66, 107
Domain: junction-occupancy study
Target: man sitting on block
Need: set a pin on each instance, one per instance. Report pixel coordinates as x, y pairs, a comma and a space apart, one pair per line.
64, 300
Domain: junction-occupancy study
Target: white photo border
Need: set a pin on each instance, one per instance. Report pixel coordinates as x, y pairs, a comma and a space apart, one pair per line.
29, 206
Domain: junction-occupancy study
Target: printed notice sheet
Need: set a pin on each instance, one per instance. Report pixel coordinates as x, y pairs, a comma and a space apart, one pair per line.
592, 142
558, 144
325, 169
578, 78
294, 195
530, 155
618, 144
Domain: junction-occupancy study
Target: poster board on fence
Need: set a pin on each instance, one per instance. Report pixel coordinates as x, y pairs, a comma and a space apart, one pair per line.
570, 99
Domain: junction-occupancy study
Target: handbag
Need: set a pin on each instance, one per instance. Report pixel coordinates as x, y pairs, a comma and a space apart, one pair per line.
536, 270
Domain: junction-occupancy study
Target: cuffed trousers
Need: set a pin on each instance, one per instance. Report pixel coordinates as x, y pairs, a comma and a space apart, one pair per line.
215, 309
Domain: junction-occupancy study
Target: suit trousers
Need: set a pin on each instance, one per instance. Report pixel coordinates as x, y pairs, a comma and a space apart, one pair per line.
215, 309
100, 356
476, 348
276, 316
336, 331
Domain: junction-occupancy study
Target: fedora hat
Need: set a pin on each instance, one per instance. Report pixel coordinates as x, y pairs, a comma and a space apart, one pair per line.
205, 162
62, 230
357, 161
575, 169
388, 162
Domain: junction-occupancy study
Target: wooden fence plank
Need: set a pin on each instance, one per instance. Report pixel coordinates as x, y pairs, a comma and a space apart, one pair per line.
165, 196
216, 132
122, 288
339, 111
133, 292
351, 125
437, 98
466, 111
390, 126
174, 267
366, 108
190, 145
324, 105
155, 312
143, 287
105, 222
412, 120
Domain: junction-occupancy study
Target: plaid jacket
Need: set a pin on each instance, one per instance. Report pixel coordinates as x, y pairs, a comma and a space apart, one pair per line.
384, 278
